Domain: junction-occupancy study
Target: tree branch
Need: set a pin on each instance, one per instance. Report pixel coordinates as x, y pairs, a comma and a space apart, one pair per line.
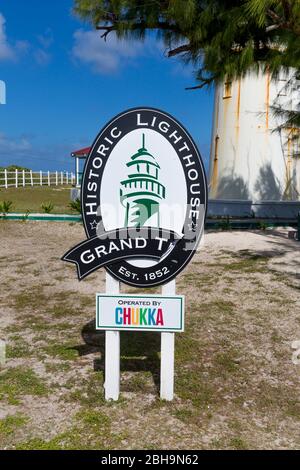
106, 29
282, 23
178, 50
205, 81
134, 26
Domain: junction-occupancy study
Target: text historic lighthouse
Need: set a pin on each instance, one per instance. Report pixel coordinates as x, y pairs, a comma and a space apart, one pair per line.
142, 192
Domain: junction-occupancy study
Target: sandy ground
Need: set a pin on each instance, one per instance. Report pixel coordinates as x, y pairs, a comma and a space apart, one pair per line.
236, 384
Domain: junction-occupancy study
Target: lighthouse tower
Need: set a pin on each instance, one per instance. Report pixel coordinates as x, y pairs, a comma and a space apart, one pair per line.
142, 192
249, 158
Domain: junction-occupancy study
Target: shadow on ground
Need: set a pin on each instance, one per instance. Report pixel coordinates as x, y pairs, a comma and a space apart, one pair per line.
135, 347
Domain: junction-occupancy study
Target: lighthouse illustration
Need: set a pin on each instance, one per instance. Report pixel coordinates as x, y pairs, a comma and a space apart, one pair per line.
142, 192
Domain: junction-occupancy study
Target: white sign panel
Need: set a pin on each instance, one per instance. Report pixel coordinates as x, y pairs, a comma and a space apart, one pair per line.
140, 312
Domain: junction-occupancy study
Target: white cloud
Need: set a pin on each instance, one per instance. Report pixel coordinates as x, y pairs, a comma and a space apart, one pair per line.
13, 51
18, 145
6, 50
42, 57
26, 151
104, 57
46, 39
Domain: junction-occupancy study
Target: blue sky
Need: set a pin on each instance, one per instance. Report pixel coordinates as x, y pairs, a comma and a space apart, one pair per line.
64, 82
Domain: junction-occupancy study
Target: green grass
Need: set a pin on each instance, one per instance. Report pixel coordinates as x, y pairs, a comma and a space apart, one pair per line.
237, 443
88, 392
220, 383
19, 381
91, 430
9, 424
31, 198
18, 347
62, 351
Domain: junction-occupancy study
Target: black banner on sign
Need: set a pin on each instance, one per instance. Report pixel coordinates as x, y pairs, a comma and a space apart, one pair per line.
124, 243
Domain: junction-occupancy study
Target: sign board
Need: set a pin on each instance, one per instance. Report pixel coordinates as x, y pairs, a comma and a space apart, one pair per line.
140, 312
144, 199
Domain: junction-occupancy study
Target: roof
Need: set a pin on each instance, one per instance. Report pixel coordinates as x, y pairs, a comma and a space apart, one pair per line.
83, 153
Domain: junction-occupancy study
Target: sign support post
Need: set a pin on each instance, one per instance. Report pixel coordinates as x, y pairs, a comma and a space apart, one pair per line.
167, 353
112, 350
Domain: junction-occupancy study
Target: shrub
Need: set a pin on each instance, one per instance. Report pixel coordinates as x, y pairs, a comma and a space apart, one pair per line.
76, 205
5, 207
47, 207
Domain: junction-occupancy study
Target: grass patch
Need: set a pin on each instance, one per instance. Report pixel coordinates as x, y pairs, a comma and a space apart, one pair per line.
19, 381
65, 352
91, 431
57, 367
237, 443
9, 424
226, 362
93, 418
222, 306
18, 347
184, 414
31, 198
271, 398
88, 392
247, 262
191, 386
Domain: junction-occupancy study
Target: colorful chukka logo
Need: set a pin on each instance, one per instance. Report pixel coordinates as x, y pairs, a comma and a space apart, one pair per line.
139, 316
143, 198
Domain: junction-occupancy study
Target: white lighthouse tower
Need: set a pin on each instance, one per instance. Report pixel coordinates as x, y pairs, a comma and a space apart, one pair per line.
249, 158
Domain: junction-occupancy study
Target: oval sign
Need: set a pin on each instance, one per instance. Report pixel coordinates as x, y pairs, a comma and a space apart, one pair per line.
144, 200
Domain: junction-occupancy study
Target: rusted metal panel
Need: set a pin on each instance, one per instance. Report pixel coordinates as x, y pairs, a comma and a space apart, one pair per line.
249, 159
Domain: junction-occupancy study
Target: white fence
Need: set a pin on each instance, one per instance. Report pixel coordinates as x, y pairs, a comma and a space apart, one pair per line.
22, 178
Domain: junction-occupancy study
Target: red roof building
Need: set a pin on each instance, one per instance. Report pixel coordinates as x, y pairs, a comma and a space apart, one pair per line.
80, 154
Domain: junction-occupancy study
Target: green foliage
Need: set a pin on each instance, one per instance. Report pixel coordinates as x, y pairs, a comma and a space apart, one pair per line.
76, 205
26, 215
5, 207
62, 351
19, 381
225, 224
13, 168
222, 39
9, 424
47, 207
262, 225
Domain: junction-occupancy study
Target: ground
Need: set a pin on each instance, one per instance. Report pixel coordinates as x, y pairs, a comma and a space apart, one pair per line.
236, 386
32, 198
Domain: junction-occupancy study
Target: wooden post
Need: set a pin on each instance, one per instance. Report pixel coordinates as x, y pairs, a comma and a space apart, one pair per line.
41, 178
167, 354
16, 178
56, 178
31, 178
77, 172
2, 353
5, 178
23, 178
49, 178
61, 178
112, 350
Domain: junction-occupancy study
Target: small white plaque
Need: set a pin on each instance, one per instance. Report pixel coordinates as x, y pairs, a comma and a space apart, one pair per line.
140, 312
